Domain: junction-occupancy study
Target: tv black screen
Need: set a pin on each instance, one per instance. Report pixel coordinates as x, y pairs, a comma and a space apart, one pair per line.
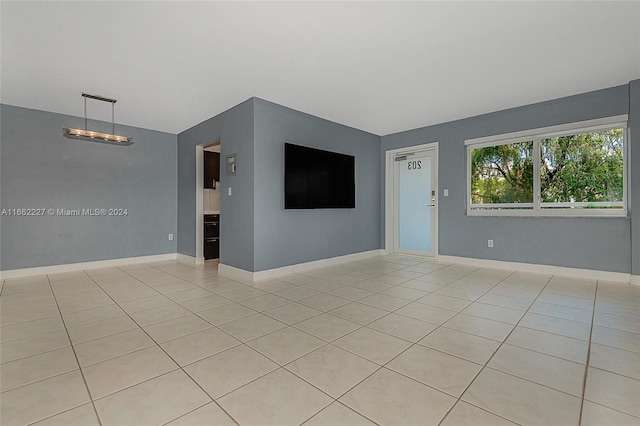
317, 179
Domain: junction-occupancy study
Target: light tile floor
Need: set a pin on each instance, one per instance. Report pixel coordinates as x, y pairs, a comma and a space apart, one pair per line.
392, 340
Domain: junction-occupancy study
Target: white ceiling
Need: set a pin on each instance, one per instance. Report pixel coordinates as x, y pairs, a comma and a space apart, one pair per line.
382, 66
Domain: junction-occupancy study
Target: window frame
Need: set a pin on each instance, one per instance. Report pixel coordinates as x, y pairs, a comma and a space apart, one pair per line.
537, 135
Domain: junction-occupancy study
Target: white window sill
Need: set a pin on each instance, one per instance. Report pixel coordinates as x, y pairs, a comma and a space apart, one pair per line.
618, 213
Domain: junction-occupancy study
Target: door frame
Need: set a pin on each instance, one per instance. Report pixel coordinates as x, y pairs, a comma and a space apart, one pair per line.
390, 194
200, 200
199, 205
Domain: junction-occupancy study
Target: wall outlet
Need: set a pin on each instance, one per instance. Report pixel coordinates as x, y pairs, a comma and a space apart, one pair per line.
229, 191
490, 243
446, 192
170, 237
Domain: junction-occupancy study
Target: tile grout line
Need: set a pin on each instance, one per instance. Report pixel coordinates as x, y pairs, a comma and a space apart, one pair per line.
413, 344
95, 411
283, 366
558, 318
326, 343
532, 350
26, 337
280, 366
167, 354
214, 326
483, 366
310, 384
497, 349
31, 356
196, 409
324, 312
381, 366
187, 309
586, 366
321, 312
179, 367
343, 405
232, 302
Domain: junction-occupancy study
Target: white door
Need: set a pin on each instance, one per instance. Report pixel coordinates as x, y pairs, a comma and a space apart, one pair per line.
415, 181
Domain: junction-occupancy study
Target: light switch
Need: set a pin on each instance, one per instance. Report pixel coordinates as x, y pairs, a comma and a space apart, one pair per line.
231, 165
229, 191
446, 192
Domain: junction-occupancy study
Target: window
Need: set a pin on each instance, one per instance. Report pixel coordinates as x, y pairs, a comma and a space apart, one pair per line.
576, 169
502, 175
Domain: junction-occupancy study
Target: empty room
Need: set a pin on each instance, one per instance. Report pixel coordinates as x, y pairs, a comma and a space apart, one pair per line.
319, 213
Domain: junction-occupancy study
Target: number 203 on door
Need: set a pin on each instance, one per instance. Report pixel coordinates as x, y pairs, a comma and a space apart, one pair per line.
414, 165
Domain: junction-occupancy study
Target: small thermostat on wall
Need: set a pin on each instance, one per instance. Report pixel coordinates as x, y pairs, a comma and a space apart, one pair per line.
231, 165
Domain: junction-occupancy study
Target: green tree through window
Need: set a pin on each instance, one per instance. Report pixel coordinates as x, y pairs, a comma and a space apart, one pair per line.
579, 170
587, 167
502, 174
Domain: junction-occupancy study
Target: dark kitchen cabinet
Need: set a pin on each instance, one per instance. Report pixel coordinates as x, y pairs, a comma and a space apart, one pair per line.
211, 248
211, 236
211, 225
211, 169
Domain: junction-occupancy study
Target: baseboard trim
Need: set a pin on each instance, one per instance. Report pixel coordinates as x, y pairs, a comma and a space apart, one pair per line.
189, 260
70, 267
540, 269
635, 279
234, 273
244, 275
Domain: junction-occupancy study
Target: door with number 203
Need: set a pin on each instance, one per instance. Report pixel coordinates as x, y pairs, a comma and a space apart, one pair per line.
415, 203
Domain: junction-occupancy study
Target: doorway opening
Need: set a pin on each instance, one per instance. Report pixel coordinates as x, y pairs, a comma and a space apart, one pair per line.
207, 202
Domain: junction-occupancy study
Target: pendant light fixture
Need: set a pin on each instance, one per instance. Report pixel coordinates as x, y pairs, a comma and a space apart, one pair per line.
98, 136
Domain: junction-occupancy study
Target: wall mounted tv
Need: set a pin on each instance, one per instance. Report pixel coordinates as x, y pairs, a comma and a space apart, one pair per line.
317, 179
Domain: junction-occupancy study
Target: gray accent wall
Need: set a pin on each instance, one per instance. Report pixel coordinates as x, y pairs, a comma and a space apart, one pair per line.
40, 168
154, 179
287, 237
256, 232
589, 243
234, 129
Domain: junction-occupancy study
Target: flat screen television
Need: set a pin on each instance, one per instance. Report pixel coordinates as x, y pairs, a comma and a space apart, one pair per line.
317, 179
